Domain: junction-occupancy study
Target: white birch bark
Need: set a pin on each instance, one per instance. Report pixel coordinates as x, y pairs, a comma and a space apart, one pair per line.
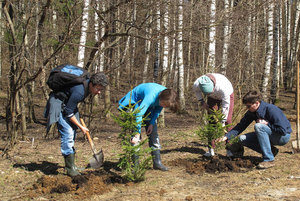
97, 32
226, 37
102, 56
275, 69
147, 52
212, 36
180, 56
83, 35
269, 49
165, 64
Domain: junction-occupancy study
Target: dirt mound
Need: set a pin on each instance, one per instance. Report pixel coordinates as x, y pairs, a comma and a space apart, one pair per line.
81, 187
214, 165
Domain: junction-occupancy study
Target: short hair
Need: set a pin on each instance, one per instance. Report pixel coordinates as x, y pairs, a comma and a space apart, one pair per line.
252, 97
171, 97
99, 79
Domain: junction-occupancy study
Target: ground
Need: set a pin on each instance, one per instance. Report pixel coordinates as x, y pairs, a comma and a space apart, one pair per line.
33, 170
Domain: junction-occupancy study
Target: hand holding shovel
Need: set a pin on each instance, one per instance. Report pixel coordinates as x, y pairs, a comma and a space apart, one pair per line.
97, 160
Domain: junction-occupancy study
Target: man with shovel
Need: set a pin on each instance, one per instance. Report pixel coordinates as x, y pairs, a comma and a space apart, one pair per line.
151, 98
271, 128
65, 113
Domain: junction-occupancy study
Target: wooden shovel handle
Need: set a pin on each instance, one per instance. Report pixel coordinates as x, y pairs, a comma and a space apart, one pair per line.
89, 137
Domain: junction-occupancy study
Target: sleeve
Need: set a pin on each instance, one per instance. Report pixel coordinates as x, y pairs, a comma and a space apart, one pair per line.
77, 95
143, 106
155, 113
240, 127
225, 107
197, 90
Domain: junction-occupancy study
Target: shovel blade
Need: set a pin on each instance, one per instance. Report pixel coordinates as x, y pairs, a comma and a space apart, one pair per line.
97, 160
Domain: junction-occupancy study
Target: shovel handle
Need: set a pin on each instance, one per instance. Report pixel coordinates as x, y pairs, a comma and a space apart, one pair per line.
89, 137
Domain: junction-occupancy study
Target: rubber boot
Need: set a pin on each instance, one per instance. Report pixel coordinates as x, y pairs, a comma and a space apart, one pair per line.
70, 165
157, 165
79, 169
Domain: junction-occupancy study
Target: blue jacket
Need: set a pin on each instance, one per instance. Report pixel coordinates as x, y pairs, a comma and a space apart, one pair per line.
278, 122
146, 97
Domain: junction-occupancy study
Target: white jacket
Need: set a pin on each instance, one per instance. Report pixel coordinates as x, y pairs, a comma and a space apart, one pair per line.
222, 91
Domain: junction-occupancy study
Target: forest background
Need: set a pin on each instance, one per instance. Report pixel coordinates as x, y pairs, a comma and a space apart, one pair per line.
254, 43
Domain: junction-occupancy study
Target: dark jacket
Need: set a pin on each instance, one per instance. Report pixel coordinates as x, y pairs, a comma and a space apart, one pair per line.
278, 122
68, 107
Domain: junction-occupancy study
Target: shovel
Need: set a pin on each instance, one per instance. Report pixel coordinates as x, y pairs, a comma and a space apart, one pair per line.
97, 160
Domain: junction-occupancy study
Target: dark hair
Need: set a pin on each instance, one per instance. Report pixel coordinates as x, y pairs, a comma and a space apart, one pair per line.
252, 97
99, 79
171, 96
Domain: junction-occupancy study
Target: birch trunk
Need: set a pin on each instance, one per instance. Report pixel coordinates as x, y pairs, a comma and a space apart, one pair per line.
83, 35
269, 50
284, 44
212, 37
226, 37
180, 56
275, 69
165, 64
147, 50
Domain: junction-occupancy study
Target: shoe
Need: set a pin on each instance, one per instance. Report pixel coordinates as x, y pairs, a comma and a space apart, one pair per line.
229, 153
266, 165
275, 150
210, 153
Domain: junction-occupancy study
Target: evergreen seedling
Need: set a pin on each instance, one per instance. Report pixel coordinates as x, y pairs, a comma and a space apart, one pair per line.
134, 160
213, 129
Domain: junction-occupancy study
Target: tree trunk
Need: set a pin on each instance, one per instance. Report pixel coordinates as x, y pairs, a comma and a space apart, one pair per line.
212, 37
83, 35
180, 57
275, 69
269, 50
226, 37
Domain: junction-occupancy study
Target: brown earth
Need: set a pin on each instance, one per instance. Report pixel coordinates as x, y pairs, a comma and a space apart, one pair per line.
34, 169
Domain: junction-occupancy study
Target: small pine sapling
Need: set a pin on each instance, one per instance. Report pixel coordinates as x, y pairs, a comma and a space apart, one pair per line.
134, 160
213, 129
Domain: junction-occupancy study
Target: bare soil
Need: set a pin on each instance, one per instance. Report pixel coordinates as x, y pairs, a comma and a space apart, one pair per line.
34, 169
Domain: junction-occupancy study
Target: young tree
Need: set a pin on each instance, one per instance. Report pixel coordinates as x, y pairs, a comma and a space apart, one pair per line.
133, 161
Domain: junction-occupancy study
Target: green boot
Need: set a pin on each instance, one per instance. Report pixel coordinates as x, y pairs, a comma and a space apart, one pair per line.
70, 165
79, 169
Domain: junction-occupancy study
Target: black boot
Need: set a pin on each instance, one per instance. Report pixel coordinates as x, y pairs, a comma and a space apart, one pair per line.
157, 165
70, 165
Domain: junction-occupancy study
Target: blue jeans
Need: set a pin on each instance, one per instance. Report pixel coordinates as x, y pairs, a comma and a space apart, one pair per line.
262, 139
68, 133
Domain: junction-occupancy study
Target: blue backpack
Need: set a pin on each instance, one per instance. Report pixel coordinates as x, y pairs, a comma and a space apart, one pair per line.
66, 76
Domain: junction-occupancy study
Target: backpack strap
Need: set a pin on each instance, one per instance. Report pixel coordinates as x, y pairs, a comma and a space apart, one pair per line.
86, 88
